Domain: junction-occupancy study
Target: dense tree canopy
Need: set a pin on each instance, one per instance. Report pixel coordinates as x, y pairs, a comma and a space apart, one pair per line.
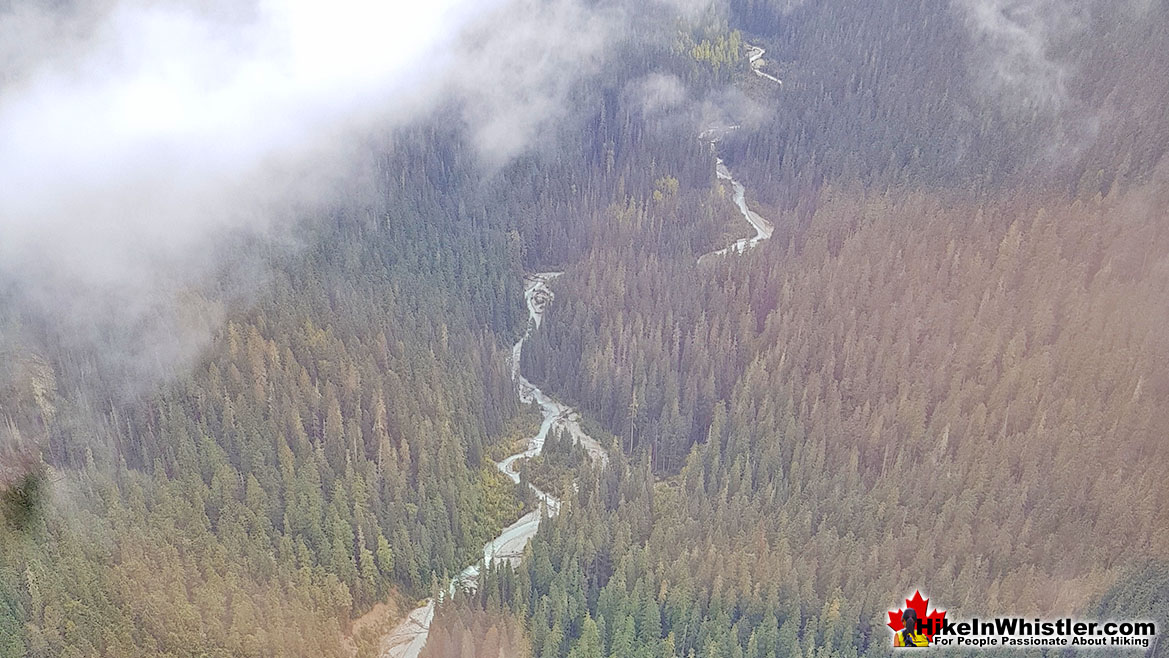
945, 369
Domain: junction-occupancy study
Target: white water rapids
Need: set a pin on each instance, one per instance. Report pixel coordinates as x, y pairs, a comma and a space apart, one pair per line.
763, 228
755, 57
409, 637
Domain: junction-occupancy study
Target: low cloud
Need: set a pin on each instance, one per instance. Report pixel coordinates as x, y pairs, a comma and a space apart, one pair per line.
658, 92
514, 72
1022, 49
1026, 57
1013, 42
140, 136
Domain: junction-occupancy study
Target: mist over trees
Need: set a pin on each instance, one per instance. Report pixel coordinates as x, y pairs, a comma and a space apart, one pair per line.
944, 370
939, 371
327, 450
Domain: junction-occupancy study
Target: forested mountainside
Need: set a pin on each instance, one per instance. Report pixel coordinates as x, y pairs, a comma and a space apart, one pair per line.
945, 370
465, 630
966, 95
942, 400
326, 453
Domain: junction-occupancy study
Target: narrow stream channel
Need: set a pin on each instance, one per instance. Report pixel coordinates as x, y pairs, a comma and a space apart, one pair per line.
409, 637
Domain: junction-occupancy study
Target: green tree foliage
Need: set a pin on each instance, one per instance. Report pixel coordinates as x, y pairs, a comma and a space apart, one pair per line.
896, 92
922, 379
462, 631
326, 450
918, 392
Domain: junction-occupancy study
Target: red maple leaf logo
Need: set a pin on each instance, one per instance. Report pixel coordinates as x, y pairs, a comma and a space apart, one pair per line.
919, 606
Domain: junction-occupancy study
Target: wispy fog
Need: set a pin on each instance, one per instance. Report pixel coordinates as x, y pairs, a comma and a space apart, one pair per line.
1023, 47
136, 134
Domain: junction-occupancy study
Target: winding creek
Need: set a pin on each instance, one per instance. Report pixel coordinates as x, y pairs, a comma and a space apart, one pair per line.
755, 57
408, 638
